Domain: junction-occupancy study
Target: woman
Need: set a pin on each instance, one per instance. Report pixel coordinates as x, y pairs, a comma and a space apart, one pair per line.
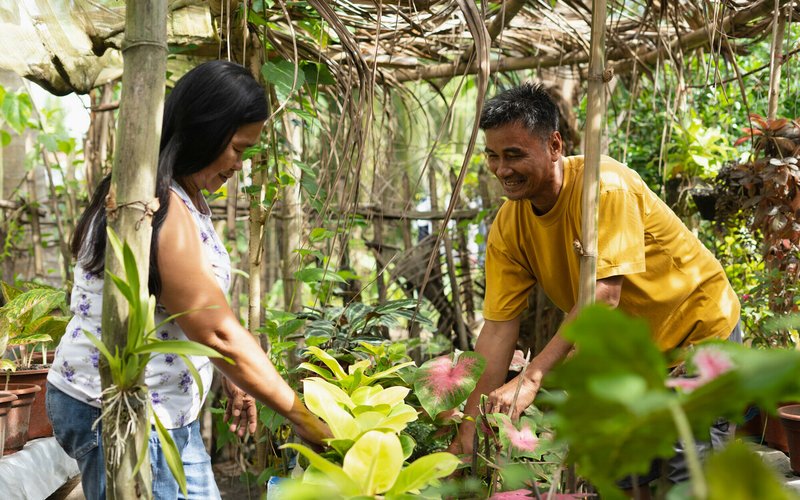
215, 112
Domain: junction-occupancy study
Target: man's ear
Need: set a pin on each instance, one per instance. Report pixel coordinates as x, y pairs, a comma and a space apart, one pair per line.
555, 145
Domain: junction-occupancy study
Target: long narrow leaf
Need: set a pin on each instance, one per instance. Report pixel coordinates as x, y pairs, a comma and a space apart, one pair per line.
193, 371
100, 346
131, 271
123, 287
171, 454
180, 347
347, 486
144, 448
329, 361
116, 244
178, 315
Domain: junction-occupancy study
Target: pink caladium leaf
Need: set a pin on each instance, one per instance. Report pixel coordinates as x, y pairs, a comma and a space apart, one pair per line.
442, 384
710, 363
519, 439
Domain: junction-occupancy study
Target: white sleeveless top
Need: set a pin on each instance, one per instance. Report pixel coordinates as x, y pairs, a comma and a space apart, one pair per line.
175, 396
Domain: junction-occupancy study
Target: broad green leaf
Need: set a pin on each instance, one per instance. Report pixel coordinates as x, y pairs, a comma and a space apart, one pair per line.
329, 361
408, 444
362, 395
9, 292
316, 275
390, 371
323, 403
440, 384
736, 473
283, 74
339, 477
368, 420
341, 445
362, 365
316, 369
424, 470
611, 436
398, 418
171, 454
374, 462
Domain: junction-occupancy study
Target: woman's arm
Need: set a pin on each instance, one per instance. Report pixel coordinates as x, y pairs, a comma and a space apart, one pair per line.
188, 284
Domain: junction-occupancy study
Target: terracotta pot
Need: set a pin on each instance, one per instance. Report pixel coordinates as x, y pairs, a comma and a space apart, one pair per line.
18, 415
6, 399
39, 423
790, 418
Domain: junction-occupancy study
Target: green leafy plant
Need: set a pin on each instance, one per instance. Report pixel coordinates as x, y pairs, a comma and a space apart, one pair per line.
127, 366
618, 413
342, 329
369, 446
33, 314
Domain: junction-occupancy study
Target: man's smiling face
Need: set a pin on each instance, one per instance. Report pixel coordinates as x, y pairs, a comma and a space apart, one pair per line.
524, 162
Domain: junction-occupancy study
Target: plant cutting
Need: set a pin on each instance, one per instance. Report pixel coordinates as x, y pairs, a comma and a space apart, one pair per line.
127, 367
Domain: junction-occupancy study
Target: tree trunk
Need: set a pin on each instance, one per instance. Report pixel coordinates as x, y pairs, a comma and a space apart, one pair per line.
292, 220
36, 229
595, 112
130, 206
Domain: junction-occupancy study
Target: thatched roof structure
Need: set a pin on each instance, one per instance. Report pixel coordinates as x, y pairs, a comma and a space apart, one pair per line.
70, 45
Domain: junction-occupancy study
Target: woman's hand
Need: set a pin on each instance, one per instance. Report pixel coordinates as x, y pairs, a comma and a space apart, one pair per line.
307, 425
240, 410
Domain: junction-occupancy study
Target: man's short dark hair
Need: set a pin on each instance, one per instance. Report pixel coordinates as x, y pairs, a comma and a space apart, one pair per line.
528, 104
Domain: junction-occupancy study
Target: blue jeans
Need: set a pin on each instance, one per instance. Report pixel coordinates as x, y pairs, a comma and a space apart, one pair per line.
72, 427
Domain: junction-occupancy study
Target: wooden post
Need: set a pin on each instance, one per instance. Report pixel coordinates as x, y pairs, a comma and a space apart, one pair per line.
776, 61
595, 112
129, 207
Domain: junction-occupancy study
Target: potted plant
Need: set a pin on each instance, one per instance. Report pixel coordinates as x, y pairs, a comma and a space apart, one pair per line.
30, 320
6, 399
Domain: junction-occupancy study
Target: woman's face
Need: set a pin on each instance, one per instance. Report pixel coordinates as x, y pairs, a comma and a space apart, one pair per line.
212, 177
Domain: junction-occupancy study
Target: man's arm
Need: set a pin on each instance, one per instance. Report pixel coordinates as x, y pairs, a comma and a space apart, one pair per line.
502, 400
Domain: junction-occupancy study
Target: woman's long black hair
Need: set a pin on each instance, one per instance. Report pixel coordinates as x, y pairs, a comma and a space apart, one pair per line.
201, 114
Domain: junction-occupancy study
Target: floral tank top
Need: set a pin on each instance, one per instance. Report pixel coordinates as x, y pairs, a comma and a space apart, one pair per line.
175, 396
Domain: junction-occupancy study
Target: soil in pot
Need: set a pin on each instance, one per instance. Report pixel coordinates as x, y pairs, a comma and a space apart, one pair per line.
39, 423
790, 418
6, 399
18, 416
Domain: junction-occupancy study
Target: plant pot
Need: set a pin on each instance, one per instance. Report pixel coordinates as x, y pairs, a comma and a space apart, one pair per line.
6, 399
39, 423
790, 418
18, 416
766, 429
706, 203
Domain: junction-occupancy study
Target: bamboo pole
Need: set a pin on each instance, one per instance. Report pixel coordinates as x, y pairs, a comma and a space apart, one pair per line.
129, 209
595, 111
776, 61
36, 228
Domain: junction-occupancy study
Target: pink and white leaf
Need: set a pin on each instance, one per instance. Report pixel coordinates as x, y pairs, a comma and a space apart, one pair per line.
442, 384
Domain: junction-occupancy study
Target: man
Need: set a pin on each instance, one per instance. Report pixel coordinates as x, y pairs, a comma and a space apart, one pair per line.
649, 264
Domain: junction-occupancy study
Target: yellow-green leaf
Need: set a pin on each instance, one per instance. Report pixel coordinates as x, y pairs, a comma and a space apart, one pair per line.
374, 462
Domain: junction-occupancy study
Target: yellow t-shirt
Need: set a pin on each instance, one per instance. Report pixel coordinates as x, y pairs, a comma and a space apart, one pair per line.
670, 278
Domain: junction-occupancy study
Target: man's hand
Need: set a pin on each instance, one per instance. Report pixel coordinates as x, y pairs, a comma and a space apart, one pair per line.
501, 399
240, 410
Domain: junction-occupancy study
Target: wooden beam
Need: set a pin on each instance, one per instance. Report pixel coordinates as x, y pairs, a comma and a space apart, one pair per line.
375, 212
623, 62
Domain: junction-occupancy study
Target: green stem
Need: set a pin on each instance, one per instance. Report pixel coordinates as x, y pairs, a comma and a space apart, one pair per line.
699, 486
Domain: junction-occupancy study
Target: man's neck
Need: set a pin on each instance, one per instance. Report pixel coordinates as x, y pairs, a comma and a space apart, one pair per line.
548, 199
